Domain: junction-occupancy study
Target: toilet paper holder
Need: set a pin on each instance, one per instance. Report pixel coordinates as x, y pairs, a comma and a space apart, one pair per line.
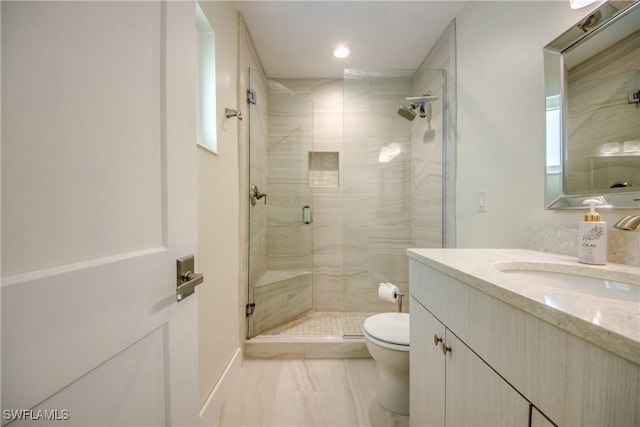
399, 296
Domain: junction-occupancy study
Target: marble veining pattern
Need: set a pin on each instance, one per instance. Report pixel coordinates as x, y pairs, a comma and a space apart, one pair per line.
320, 392
615, 329
598, 113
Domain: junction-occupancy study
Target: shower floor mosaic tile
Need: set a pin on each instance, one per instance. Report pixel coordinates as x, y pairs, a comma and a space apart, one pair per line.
323, 323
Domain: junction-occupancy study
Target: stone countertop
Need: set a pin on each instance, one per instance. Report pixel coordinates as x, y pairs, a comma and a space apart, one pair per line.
611, 324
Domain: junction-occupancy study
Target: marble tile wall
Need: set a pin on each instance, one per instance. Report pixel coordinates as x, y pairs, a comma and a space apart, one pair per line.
376, 188
389, 194
289, 140
328, 238
281, 300
427, 164
258, 176
435, 218
281, 126
598, 114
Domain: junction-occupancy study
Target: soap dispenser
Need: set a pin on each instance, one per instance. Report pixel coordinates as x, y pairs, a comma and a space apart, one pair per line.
592, 236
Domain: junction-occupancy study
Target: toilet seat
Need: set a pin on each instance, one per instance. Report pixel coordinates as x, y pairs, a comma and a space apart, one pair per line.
390, 330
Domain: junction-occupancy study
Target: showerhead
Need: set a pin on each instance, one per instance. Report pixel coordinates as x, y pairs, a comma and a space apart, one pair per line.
407, 112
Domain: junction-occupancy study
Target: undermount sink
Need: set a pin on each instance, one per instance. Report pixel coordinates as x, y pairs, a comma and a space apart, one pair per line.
582, 280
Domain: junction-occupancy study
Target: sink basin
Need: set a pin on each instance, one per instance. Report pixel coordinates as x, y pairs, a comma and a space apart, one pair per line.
579, 281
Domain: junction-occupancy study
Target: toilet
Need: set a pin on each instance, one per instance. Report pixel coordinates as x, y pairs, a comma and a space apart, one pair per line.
387, 338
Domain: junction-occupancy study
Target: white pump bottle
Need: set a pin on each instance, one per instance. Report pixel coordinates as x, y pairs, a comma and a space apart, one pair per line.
592, 236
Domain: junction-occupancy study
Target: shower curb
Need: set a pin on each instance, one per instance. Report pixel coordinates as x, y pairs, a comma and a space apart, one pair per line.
278, 347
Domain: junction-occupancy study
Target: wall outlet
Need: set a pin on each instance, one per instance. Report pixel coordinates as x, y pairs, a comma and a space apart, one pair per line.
482, 200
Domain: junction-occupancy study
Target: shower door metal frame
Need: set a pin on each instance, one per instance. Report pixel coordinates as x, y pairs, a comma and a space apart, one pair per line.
280, 256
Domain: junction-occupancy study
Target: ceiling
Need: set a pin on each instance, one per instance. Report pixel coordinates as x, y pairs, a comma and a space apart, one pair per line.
295, 39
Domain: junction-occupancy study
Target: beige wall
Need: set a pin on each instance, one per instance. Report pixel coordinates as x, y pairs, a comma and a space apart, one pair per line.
501, 120
218, 213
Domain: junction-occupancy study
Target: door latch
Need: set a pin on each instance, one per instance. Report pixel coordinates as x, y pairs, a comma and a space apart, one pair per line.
186, 279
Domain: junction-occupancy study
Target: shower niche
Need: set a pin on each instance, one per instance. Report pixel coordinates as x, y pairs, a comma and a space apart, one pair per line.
324, 169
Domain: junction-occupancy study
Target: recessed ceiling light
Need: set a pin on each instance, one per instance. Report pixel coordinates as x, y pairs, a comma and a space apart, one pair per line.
341, 51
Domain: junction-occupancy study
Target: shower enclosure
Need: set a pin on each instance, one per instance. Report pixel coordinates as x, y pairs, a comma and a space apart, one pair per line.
349, 185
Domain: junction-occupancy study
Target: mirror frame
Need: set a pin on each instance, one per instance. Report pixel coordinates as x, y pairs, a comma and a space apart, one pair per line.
555, 196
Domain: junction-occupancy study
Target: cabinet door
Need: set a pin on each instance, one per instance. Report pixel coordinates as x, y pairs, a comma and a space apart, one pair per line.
427, 369
476, 395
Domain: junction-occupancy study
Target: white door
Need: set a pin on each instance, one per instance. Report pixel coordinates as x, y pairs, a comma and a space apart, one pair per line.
98, 202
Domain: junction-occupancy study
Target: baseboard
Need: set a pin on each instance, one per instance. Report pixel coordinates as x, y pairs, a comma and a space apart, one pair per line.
210, 412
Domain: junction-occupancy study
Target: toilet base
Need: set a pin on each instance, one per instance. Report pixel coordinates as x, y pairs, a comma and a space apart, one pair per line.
393, 391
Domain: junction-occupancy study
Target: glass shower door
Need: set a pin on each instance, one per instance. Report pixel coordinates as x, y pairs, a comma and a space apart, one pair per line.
281, 213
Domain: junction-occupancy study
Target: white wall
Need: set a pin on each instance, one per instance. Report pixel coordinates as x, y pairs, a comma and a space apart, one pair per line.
501, 119
219, 214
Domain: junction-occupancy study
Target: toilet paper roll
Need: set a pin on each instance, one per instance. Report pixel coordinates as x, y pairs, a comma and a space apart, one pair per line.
387, 291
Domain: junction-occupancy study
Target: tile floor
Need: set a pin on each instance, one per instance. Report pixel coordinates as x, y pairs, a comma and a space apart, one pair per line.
322, 323
311, 392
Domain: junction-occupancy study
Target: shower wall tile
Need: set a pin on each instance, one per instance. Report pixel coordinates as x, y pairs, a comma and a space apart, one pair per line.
328, 239
328, 282
389, 266
327, 98
377, 194
330, 200
356, 239
288, 242
290, 134
258, 171
362, 229
328, 130
427, 154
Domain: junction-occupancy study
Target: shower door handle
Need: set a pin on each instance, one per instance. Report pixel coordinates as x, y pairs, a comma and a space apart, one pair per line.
304, 216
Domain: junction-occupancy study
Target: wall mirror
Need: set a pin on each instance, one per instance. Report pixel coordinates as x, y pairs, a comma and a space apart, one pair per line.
592, 90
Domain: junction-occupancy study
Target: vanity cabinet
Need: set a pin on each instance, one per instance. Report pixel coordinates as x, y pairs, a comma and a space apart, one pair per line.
450, 385
506, 366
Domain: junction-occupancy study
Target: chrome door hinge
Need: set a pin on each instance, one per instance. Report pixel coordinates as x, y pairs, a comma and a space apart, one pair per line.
251, 96
634, 97
250, 309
